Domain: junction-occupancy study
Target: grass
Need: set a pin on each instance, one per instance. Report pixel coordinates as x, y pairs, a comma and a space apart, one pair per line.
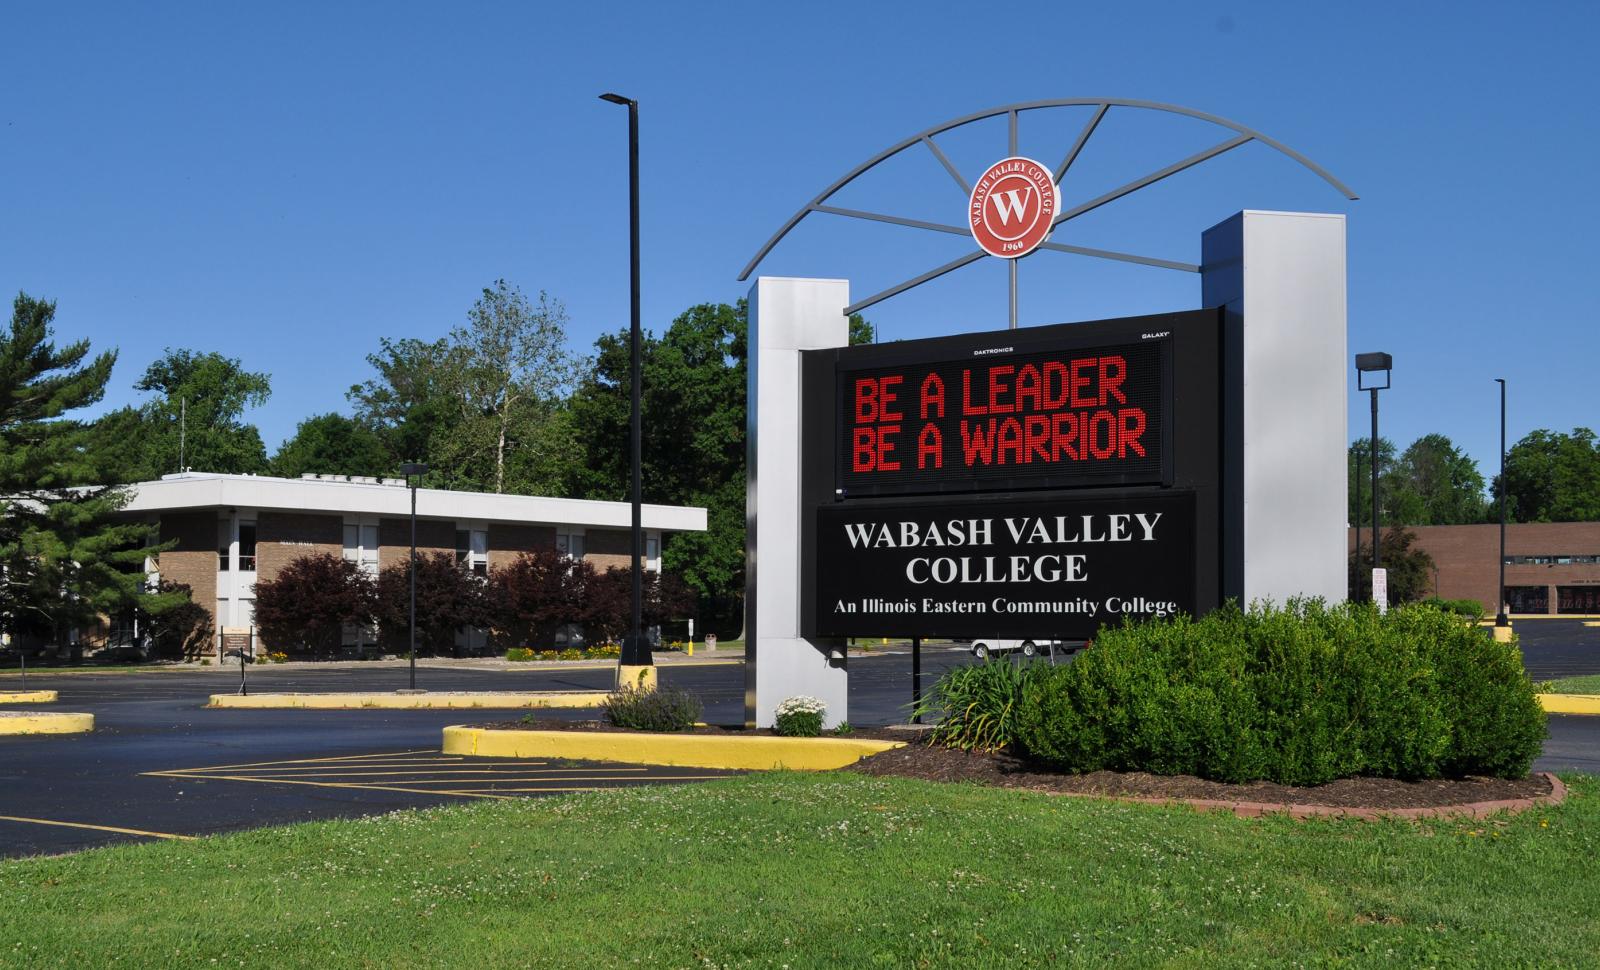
831, 870
1572, 685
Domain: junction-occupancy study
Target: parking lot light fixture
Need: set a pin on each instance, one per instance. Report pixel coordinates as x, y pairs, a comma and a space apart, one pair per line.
1374, 363
413, 471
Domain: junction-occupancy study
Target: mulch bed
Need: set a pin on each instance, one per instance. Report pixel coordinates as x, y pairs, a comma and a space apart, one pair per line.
1355, 796
1358, 797
716, 730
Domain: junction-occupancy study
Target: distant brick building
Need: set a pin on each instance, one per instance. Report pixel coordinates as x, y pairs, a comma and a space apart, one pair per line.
1551, 567
229, 531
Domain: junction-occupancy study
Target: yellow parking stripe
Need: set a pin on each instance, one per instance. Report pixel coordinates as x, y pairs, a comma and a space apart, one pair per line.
317, 784
346, 757
97, 828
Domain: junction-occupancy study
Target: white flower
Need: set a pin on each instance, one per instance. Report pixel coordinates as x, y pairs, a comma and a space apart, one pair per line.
801, 704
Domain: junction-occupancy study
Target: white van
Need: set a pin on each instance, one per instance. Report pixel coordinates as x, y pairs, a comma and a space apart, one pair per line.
982, 647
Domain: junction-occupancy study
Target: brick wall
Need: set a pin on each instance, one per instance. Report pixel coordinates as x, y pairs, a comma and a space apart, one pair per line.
1468, 557
282, 537
193, 561
394, 539
607, 548
508, 541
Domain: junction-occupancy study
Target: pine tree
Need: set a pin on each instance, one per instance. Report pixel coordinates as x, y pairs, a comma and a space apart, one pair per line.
64, 559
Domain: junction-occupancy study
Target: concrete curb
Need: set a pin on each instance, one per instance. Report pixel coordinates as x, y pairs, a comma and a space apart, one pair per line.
1570, 703
27, 696
681, 750
21, 722
1558, 794
432, 700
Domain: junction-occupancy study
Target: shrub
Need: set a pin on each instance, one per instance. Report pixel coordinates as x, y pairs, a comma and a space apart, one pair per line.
1299, 696
1471, 609
306, 607
799, 717
602, 651
608, 602
666, 709
449, 598
180, 629
539, 591
978, 704
571, 653
519, 654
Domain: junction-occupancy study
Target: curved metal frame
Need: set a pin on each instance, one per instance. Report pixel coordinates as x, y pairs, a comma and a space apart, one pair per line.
1102, 105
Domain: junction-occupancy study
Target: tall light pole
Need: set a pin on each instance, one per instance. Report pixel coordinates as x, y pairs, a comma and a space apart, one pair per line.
1500, 618
635, 649
1371, 364
413, 470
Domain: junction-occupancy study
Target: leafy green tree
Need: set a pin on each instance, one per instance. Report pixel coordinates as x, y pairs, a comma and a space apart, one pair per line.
1435, 483
333, 444
195, 421
1553, 477
1410, 570
861, 332
485, 407
1359, 459
408, 403
64, 558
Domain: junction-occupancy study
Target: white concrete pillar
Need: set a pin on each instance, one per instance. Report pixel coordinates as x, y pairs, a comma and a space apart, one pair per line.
1286, 375
786, 317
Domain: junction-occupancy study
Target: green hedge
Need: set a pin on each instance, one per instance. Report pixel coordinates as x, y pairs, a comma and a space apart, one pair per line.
1300, 696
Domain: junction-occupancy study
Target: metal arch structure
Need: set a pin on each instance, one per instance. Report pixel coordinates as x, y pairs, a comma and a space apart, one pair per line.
1242, 136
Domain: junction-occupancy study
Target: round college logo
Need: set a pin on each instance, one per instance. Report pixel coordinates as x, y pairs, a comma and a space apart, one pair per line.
1012, 206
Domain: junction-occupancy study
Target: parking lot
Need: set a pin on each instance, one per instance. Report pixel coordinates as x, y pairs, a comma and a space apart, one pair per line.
159, 765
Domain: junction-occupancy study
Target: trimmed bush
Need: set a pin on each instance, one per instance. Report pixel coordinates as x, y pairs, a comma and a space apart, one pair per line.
1471, 609
666, 709
520, 654
1300, 696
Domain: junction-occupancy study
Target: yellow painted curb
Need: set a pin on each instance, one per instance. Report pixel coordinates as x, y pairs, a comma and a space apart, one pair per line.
1570, 703
681, 750
438, 700
18, 722
27, 696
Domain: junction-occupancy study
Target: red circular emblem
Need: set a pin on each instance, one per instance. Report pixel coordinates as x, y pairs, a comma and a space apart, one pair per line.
1012, 207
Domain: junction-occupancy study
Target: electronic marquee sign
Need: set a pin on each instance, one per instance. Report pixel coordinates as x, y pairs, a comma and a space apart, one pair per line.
1027, 483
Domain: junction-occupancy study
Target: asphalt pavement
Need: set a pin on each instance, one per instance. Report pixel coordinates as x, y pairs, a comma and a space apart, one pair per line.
159, 765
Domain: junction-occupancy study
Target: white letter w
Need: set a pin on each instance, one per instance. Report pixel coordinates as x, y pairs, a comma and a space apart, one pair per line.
1008, 204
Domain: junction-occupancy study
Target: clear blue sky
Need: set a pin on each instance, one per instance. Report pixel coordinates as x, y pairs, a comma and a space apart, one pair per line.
285, 183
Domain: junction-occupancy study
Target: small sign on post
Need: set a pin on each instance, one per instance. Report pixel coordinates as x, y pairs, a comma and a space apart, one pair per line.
1380, 589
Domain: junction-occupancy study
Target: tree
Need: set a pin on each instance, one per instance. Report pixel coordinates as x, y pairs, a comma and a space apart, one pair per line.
486, 407
1359, 461
608, 603
1553, 477
861, 332
534, 595
1410, 571
694, 444
64, 558
1435, 483
195, 421
335, 445
306, 607
449, 599
408, 404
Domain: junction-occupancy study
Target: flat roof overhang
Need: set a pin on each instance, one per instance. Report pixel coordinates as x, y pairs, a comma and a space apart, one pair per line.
192, 492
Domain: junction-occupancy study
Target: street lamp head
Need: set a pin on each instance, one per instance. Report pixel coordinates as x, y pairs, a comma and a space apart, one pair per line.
616, 99
1373, 363
413, 468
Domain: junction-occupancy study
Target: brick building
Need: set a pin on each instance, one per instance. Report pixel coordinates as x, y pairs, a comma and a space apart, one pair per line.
1551, 567
232, 530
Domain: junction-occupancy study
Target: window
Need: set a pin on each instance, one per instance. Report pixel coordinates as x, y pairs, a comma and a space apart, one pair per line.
1528, 599
224, 546
361, 546
247, 547
1578, 599
570, 544
1551, 559
472, 550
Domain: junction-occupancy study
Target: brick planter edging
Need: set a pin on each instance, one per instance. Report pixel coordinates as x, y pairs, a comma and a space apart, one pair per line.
1558, 794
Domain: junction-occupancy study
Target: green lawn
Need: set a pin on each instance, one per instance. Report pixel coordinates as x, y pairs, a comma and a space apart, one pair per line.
824, 871
1573, 685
